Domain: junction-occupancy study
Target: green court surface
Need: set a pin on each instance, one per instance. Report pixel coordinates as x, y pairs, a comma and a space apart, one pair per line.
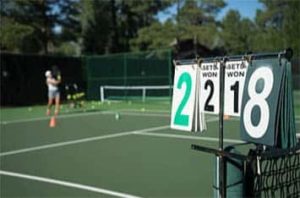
90, 153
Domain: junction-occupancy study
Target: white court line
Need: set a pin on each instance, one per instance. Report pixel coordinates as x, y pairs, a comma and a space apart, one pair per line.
132, 112
187, 137
124, 112
101, 137
59, 144
67, 184
146, 133
149, 110
142, 114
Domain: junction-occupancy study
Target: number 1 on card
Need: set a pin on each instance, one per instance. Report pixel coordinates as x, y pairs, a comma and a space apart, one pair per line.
235, 74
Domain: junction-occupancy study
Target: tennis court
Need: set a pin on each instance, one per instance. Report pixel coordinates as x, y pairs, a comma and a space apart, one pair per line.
90, 153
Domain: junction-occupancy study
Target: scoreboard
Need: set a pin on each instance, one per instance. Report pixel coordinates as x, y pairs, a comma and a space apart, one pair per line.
258, 91
196, 91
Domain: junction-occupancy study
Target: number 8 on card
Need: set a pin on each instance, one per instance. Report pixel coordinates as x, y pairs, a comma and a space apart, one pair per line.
261, 102
184, 97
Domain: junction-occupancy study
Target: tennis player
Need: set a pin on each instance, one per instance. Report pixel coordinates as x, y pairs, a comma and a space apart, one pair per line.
53, 92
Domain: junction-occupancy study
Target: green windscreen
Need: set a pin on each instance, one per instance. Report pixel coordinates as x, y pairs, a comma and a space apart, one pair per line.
128, 69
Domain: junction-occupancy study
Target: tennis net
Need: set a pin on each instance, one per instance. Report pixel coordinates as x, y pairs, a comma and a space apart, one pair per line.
274, 173
143, 93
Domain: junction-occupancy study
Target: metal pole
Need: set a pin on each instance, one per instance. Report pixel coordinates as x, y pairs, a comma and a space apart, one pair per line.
144, 94
222, 182
125, 74
288, 53
170, 73
125, 69
101, 93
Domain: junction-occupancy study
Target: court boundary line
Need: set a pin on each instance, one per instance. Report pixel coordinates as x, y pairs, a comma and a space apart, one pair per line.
130, 112
165, 135
212, 139
63, 116
125, 133
67, 184
89, 139
72, 142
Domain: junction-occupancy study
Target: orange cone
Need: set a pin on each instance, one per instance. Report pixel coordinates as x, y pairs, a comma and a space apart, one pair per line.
52, 122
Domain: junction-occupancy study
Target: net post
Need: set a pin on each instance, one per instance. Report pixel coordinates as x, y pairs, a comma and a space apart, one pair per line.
101, 93
170, 72
222, 181
144, 94
87, 75
125, 69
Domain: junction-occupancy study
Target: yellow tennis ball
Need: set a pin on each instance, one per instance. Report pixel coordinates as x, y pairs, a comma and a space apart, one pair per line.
117, 116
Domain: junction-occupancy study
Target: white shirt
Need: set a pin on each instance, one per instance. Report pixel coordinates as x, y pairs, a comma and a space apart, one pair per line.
51, 87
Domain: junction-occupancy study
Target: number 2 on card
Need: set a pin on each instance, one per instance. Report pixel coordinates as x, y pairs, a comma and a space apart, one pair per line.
182, 119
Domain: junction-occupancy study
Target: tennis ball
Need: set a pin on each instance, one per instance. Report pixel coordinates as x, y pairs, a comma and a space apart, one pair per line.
117, 116
143, 109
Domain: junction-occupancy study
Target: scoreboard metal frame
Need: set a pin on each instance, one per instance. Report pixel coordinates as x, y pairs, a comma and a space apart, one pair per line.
249, 57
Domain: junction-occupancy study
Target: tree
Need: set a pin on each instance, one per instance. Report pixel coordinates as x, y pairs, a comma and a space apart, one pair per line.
41, 17
278, 26
68, 19
12, 34
155, 36
237, 33
108, 26
135, 15
96, 22
194, 20
199, 12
